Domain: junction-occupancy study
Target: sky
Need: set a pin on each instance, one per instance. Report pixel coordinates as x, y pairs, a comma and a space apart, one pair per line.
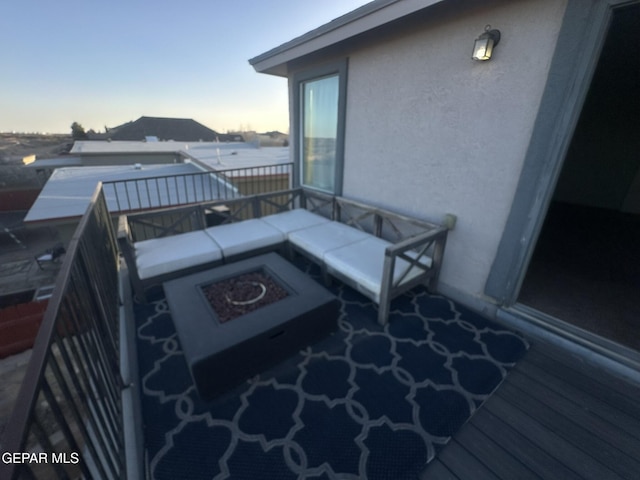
103, 64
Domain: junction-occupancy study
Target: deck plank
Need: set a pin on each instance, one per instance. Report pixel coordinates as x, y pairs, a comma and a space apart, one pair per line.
437, 471
513, 441
567, 407
516, 445
595, 438
492, 455
556, 415
587, 398
609, 388
464, 465
556, 446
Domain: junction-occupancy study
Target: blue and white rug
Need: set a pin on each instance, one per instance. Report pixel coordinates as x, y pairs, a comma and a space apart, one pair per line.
368, 402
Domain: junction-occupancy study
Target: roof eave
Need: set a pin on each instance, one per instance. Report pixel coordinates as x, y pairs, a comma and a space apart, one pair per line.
361, 20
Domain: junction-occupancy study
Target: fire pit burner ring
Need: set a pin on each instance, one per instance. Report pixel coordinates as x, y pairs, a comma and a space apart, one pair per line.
251, 301
237, 295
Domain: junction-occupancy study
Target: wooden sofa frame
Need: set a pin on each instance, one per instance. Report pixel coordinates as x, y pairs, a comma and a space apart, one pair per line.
411, 239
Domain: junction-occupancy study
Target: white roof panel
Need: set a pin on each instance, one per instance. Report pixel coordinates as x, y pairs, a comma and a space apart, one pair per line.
69, 190
218, 156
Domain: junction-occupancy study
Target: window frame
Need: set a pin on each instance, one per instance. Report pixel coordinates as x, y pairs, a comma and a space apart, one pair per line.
299, 79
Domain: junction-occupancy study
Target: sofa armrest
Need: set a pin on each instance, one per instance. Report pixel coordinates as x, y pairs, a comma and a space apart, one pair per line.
123, 227
127, 249
426, 239
433, 242
430, 250
123, 237
125, 244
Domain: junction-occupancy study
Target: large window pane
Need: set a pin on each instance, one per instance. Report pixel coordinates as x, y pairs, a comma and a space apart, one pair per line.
320, 132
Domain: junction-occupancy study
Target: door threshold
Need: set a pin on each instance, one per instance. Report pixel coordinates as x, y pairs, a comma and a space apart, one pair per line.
620, 360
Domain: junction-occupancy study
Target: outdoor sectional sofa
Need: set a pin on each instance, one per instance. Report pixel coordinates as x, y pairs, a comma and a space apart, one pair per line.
379, 253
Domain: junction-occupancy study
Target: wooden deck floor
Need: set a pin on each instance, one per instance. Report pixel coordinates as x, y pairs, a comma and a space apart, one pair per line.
553, 417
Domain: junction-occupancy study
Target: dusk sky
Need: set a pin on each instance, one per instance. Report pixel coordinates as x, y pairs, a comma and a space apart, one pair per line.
106, 63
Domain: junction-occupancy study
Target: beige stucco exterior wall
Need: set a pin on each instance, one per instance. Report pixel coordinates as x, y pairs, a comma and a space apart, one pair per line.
429, 131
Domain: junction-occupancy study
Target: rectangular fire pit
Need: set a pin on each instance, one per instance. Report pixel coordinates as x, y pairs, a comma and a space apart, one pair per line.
237, 320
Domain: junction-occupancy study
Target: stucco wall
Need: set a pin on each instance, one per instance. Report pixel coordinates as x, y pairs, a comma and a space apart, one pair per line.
429, 131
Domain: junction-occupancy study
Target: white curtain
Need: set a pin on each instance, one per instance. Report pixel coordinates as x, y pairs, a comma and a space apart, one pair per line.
320, 130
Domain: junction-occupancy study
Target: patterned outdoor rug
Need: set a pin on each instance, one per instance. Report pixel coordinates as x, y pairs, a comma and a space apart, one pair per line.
368, 402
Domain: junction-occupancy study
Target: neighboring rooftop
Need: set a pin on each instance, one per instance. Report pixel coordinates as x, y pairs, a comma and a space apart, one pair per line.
224, 156
164, 129
178, 129
58, 162
218, 156
68, 191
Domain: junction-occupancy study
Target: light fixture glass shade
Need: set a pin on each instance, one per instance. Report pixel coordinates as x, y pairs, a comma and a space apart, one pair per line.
483, 47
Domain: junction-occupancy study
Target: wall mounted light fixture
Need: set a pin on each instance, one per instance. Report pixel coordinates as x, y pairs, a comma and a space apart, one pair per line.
483, 47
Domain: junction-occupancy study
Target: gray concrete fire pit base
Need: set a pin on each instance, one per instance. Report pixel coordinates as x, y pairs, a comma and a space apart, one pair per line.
221, 355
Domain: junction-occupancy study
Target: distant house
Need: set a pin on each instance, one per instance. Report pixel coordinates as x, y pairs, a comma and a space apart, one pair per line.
534, 151
273, 138
163, 129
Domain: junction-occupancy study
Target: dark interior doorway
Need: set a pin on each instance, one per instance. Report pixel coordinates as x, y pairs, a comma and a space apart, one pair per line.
585, 269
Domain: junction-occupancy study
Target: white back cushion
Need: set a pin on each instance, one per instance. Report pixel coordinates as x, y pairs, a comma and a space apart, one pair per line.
159, 256
293, 220
319, 239
244, 236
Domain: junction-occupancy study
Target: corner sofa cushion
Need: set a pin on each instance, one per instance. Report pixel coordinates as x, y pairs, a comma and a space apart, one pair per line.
241, 237
363, 262
319, 239
160, 256
293, 220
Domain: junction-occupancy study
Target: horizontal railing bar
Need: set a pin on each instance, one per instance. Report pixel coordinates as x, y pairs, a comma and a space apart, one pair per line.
179, 189
281, 168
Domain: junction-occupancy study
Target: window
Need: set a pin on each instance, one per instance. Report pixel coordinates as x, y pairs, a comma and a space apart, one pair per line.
320, 127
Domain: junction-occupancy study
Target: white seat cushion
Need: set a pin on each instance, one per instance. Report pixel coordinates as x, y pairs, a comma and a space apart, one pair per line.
363, 262
159, 256
244, 236
319, 239
293, 220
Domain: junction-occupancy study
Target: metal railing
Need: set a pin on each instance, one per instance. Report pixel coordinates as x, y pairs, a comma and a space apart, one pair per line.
172, 221
150, 193
67, 421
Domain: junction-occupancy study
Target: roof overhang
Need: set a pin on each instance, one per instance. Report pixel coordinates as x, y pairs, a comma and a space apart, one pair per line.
357, 22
